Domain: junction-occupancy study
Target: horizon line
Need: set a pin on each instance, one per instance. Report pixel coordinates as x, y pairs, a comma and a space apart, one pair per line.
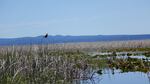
73, 35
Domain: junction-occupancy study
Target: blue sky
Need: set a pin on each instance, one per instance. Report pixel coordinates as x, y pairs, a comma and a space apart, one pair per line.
22, 18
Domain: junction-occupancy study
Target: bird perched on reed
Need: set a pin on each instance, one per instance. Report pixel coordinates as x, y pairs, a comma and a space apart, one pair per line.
46, 35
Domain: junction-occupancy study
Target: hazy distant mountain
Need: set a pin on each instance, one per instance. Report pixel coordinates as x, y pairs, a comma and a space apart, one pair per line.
65, 39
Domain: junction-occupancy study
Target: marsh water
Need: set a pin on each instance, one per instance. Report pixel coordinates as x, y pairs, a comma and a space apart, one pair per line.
120, 75
117, 78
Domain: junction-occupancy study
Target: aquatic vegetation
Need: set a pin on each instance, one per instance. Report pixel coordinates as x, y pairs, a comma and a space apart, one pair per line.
64, 63
40, 65
130, 64
99, 72
147, 54
114, 53
129, 54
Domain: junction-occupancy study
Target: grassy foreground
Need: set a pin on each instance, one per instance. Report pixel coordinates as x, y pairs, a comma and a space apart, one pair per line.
59, 63
41, 66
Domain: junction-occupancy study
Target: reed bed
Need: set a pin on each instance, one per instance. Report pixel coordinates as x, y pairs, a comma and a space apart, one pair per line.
134, 45
56, 63
39, 65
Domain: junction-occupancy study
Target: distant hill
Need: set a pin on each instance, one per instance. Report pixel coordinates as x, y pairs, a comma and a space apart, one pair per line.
66, 39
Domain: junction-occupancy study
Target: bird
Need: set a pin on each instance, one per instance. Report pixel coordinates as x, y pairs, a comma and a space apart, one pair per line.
46, 35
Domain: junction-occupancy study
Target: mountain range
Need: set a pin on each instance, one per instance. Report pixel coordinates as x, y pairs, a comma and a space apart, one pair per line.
67, 39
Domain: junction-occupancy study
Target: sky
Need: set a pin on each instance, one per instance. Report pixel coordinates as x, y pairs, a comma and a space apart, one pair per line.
29, 18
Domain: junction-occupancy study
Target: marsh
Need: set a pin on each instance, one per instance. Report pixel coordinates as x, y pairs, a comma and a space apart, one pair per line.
74, 64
